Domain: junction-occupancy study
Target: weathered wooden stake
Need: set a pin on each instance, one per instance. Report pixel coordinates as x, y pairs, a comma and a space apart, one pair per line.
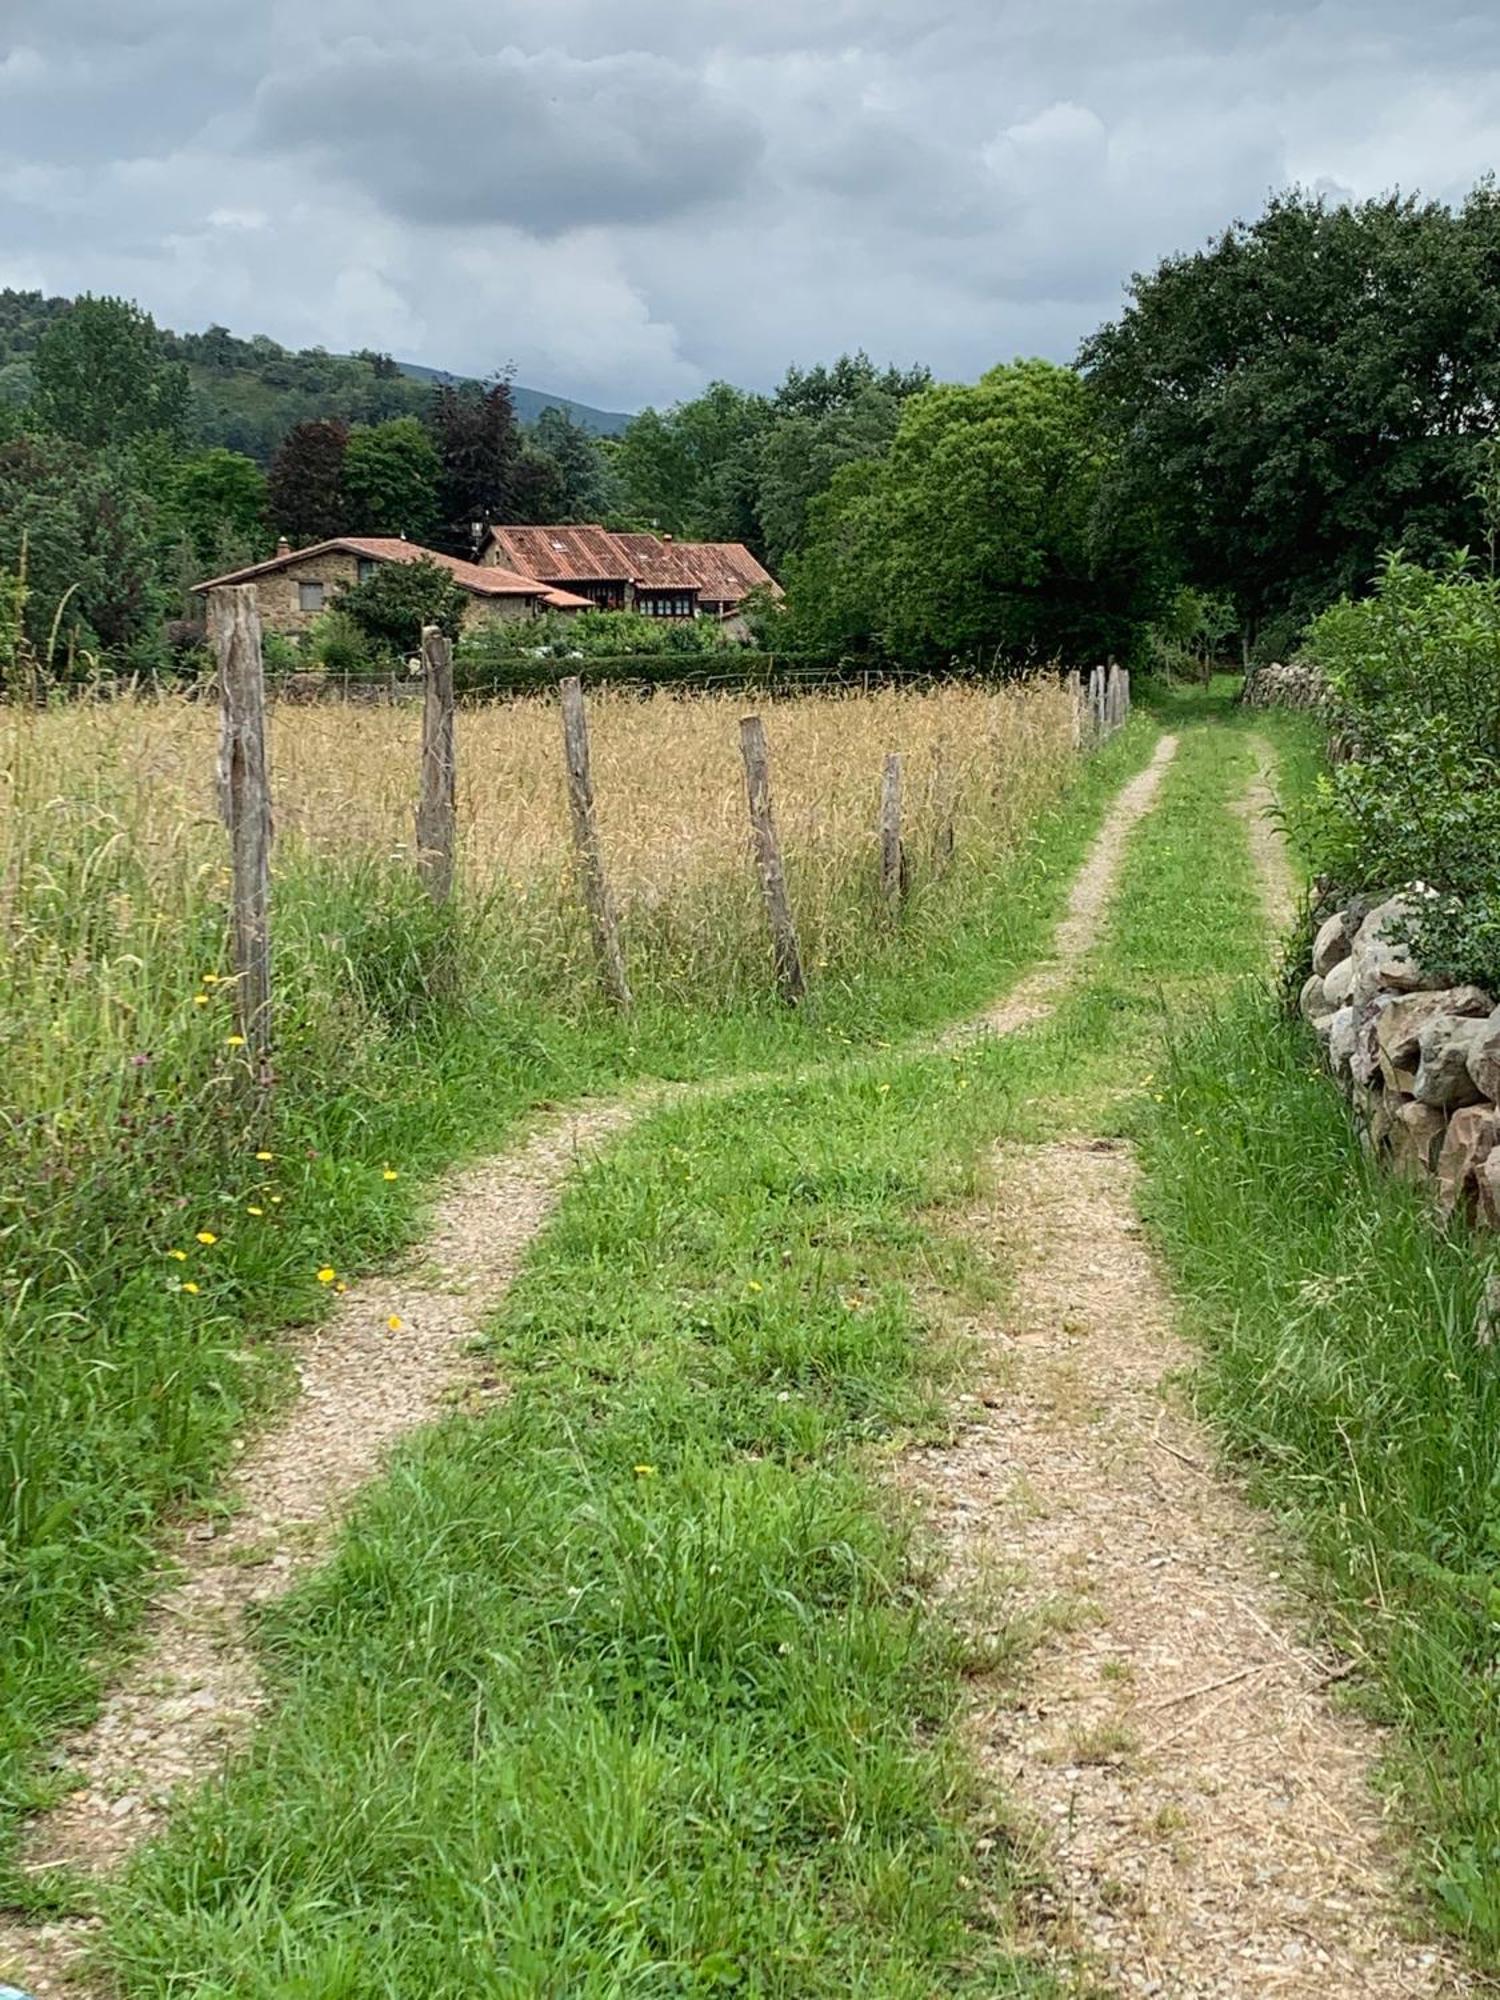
892, 855
753, 748
1096, 703
245, 804
603, 921
437, 809
1075, 689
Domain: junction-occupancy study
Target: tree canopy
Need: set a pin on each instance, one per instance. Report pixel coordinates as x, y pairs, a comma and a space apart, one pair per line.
1307, 391
974, 534
100, 378
390, 477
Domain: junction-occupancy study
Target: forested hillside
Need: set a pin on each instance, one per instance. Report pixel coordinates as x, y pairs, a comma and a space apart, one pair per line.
247, 394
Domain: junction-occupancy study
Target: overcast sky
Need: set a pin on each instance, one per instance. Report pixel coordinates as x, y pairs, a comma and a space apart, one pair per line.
627, 198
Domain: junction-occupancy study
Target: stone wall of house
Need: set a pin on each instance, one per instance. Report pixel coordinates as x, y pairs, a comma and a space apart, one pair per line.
279, 596
1418, 1056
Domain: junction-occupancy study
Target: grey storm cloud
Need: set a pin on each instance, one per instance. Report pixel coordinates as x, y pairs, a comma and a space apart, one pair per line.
629, 197
543, 141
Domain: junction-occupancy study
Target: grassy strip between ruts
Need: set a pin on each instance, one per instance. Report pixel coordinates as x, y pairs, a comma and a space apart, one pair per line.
630, 1686
125, 1373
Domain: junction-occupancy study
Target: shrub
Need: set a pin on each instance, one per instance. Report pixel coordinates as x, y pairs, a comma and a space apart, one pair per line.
338, 645
1414, 684
393, 604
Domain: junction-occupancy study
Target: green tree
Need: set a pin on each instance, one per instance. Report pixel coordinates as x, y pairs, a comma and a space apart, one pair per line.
100, 377
585, 477
391, 475
96, 553
305, 489
480, 448
397, 599
692, 470
975, 535
822, 419
219, 497
1306, 392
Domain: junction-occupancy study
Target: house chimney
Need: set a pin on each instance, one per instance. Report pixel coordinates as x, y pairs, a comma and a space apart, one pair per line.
283, 548
667, 538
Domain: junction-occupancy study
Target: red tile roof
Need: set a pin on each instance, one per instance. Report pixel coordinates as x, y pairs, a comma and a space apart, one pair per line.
562, 555
725, 572
722, 572
482, 580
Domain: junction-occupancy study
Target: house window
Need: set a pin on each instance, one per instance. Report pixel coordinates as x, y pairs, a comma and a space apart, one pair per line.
309, 597
365, 568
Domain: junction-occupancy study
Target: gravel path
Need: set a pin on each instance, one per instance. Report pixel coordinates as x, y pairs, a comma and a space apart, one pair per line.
1203, 1808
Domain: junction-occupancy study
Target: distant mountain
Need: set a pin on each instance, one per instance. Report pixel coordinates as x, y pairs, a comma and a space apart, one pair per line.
247, 394
531, 402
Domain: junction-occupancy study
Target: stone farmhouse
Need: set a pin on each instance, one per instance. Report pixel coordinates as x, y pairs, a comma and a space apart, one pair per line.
521, 572
297, 586
652, 574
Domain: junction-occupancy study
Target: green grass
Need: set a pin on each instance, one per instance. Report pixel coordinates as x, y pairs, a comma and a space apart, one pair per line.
634, 1685
1344, 1365
121, 1392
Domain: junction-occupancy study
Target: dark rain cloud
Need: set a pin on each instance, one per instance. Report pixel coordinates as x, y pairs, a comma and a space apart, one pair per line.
628, 197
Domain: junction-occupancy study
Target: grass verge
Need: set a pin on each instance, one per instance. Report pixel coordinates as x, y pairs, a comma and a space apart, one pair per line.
1348, 1366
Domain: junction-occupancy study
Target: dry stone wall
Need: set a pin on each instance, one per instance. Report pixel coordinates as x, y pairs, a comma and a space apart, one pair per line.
1419, 1056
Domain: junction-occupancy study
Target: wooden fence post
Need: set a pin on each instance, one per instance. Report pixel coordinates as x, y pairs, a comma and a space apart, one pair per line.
1075, 690
892, 855
753, 748
245, 804
437, 809
603, 920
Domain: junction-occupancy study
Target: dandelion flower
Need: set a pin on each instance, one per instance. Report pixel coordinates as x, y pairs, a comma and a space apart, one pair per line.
207, 1236
390, 1174
200, 999
265, 1156
341, 1288
755, 1285
190, 1287
645, 1472
180, 1255
251, 1209
210, 979
234, 1041
327, 1275
395, 1322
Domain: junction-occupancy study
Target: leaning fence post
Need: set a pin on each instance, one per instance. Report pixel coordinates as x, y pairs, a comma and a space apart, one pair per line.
245, 805
753, 748
892, 855
603, 920
437, 808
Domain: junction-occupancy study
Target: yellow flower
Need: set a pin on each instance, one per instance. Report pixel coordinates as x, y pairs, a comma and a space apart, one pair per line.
645, 1472
207, 1236
251, 1209
200, 999
190, 1286
210, 979
390, 1174
234, 1041
341, 1287
755, 1285
265, 1156
327, 1275
395, 1322
180, 1255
